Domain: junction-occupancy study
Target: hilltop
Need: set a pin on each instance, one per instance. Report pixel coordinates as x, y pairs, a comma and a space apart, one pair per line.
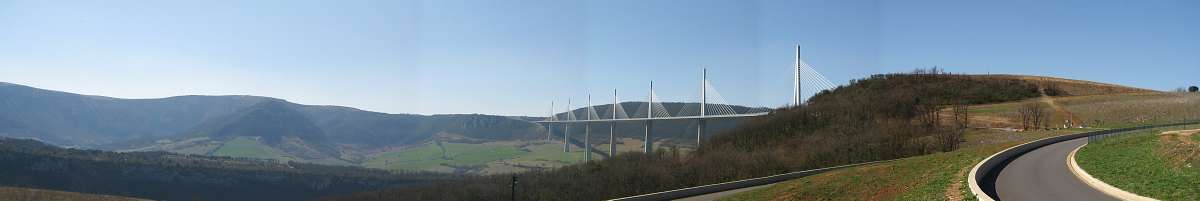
1071, 87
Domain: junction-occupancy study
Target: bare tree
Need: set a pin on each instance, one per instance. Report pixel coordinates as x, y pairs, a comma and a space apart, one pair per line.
950, 137
930, 114
961, 116
1033, 115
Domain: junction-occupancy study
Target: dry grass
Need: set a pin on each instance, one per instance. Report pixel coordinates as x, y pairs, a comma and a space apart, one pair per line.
28, 194
1121, 110
1076, 87
1106, 111
1179, 149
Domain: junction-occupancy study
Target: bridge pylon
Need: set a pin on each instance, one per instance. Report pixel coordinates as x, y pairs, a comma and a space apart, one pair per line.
649, 124
587, 132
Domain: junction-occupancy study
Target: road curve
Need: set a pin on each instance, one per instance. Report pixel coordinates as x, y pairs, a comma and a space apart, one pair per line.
722, 194
1043, 174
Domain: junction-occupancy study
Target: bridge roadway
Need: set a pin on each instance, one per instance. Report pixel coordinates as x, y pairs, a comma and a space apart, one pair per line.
1043, 174
660, 118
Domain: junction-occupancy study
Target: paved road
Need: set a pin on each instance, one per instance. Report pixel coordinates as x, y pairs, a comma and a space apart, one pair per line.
722, 194
1042, 174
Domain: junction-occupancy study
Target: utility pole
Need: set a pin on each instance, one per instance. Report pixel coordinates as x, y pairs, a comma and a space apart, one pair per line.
703, 103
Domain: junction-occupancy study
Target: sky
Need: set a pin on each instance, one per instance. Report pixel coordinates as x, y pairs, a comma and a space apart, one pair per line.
515, 57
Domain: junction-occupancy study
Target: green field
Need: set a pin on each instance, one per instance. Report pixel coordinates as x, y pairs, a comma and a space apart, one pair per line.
1144, 164
486, 158
479, 158
248, 147
432, 157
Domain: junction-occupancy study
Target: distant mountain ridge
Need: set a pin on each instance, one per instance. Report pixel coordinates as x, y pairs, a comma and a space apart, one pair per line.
80, 120
69, 119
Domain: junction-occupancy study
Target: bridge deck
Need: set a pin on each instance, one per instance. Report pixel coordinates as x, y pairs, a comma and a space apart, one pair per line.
660, 118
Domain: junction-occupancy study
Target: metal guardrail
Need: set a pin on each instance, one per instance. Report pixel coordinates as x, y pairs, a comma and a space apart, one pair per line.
746, 183
1102, 137
989, 170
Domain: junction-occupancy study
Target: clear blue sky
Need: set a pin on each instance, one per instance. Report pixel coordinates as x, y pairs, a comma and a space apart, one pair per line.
514, 57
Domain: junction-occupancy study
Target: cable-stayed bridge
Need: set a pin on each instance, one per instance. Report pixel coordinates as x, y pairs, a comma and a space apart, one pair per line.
710, 105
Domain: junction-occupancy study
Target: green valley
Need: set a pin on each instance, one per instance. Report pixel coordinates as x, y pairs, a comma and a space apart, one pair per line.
249, 147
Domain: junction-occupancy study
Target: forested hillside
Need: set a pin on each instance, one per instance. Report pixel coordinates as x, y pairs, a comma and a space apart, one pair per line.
67, 119
165, 176
877, 118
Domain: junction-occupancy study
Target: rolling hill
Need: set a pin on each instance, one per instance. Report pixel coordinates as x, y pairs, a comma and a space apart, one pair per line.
270, 128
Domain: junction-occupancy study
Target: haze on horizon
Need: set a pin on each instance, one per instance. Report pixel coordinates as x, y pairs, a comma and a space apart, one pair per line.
455, 56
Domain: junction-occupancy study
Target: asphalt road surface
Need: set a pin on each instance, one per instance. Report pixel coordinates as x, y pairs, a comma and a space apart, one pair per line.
722, 194
1043, 174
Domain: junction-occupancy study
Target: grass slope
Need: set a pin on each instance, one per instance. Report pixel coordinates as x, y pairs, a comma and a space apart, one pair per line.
916, 178
1146, 164
930, 177
23, 194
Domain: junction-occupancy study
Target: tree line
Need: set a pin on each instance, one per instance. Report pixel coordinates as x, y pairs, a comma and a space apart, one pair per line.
167, 176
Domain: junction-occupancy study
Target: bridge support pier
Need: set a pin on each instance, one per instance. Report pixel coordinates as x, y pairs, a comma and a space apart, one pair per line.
700, 129
649, 138
567, 137
587, 146
612, 143
549, 131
